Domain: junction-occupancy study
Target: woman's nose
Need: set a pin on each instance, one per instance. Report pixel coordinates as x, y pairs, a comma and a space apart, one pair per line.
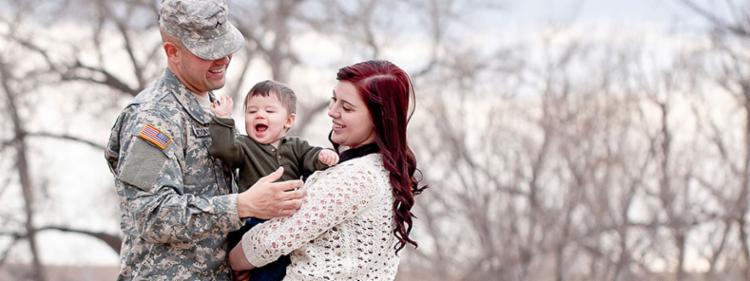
332, 112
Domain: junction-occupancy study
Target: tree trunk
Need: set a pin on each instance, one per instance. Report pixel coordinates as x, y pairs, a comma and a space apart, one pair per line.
22, 166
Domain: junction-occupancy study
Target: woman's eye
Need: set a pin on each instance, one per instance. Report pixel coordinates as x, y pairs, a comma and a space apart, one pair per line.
333, 101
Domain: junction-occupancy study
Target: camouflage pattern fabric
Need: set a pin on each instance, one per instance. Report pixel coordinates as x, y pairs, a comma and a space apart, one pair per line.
176, 201
202, 26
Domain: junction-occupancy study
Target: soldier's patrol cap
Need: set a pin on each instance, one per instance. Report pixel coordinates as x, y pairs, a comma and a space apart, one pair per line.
202, 26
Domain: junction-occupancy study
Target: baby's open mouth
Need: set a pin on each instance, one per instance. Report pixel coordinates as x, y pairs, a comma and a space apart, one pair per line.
261, 128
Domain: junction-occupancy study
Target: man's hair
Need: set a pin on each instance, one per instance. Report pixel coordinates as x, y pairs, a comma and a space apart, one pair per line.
165, 37
282, 92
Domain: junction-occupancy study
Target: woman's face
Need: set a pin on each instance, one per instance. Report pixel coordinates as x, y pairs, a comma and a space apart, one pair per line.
352, 124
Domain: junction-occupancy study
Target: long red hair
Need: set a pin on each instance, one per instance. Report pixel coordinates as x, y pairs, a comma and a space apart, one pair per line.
387, 89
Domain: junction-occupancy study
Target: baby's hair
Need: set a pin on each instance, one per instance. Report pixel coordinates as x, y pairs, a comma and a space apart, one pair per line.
282, 92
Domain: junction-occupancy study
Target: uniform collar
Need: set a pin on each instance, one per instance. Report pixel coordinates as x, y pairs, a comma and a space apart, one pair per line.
185, 97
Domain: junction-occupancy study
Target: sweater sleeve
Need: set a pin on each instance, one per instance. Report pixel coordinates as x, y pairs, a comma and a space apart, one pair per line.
224, 144
308, 157
332, 198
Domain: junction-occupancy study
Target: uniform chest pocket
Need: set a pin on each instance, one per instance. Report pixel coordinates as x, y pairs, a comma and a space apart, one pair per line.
200, 132
198, 169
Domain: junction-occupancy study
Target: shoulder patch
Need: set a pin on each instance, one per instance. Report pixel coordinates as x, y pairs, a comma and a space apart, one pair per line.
155, 136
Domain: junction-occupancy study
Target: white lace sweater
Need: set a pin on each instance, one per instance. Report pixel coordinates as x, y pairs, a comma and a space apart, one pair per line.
343, 231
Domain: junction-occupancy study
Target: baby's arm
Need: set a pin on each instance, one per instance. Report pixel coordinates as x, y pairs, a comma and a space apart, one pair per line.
223, 107
223, 143
328, 157
309, 157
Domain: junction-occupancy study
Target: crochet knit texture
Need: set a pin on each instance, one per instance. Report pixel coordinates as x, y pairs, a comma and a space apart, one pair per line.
343, 231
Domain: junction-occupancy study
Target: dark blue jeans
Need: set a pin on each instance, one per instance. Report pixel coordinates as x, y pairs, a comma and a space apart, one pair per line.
274, 271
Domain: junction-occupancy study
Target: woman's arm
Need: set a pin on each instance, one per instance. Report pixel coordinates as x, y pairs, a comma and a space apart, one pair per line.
237, 259
332, 197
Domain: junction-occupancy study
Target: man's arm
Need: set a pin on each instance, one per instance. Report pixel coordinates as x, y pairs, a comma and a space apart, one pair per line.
167, 216
268, 199
151, 185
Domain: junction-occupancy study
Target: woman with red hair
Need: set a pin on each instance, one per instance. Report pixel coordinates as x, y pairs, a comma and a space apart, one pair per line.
357, 215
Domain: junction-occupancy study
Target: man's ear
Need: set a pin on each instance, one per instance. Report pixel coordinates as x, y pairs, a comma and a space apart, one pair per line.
290, 121
171, 50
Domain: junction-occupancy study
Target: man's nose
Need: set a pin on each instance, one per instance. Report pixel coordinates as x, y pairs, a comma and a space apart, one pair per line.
223, 60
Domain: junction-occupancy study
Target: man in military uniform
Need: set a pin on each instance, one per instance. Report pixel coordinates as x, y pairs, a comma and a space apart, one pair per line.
177, 203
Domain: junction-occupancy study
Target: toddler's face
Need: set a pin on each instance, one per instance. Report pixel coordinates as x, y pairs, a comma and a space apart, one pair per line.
266, 119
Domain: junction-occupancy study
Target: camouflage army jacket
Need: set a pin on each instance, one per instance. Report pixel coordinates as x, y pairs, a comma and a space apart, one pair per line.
176, 202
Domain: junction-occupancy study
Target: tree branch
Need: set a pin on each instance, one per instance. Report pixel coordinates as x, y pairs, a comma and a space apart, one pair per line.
67, 138
113, 241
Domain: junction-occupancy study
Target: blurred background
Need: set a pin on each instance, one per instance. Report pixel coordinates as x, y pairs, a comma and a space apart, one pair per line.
562, 140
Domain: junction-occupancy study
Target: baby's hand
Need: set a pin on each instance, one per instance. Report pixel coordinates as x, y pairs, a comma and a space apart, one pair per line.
328, 157
223, 107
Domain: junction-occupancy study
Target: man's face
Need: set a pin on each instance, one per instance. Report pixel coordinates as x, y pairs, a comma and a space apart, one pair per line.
197, 74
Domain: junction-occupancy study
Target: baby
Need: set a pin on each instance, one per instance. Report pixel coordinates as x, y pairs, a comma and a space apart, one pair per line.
269, 114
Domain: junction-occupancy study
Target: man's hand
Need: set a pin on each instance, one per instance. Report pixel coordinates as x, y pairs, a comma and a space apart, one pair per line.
328, 157
223, 107
268, 199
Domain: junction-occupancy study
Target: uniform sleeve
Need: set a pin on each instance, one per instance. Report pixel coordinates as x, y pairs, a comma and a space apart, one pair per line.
332, 198
150, 183
308, 157
224, 144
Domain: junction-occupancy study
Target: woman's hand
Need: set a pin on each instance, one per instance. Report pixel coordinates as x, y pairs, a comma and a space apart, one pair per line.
241, 275
238, 261
223, 107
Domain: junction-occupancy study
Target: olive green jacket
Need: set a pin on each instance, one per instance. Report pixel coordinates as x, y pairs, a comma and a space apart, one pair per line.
255, 160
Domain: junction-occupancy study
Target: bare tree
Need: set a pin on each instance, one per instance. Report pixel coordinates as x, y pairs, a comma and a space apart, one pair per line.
61, 63
117, 54
19, 144
566, 160
727, 66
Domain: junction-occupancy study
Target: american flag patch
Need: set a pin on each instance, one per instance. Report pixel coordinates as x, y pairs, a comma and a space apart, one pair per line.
155, 136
